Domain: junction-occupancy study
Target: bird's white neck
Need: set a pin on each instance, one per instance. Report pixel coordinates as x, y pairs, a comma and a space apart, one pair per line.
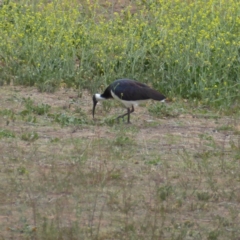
98, 97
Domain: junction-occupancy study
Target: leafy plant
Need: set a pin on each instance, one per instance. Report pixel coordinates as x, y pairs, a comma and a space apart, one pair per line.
6, 133
65, 120
39, 109
30, 136
203, 196
163, 110
164, 192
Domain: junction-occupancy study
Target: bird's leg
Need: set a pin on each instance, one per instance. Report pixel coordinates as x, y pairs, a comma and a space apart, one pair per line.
129, 111
121, 116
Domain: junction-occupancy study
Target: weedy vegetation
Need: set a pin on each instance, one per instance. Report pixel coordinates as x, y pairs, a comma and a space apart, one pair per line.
188, 49
173, 174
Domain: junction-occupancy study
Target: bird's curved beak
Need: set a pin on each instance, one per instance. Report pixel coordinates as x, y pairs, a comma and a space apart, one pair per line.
94, 104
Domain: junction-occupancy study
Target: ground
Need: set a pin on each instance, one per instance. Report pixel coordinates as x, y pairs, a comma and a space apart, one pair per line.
64, 175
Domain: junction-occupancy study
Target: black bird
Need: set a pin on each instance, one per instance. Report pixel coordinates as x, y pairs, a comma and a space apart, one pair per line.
129, 93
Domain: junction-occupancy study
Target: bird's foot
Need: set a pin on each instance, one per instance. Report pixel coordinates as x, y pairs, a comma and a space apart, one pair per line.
123, 120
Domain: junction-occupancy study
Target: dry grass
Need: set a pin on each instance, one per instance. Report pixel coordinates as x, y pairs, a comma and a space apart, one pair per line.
158, 178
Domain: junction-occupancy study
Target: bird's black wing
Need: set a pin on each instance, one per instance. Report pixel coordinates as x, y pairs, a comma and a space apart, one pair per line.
131, 90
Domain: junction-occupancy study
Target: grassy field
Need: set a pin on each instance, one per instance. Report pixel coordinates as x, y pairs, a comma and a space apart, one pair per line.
174, 173
65, 176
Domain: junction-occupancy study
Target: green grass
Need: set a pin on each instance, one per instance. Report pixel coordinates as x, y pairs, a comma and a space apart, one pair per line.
6, 133
186, 49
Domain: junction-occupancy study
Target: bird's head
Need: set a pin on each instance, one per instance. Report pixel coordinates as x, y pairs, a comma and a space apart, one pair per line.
96, 98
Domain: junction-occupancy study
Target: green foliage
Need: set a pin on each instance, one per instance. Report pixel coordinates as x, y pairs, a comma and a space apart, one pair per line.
184, 48
65, 120
164, 192
107, 105
22, 170
203, 196
8, 114
154, 162
225, 128
6, 133
110, 121
123, 140
213, 235
163, 110
30, 136
39, 109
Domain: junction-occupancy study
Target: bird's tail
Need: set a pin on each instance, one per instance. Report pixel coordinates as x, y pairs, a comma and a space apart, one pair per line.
155, 95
